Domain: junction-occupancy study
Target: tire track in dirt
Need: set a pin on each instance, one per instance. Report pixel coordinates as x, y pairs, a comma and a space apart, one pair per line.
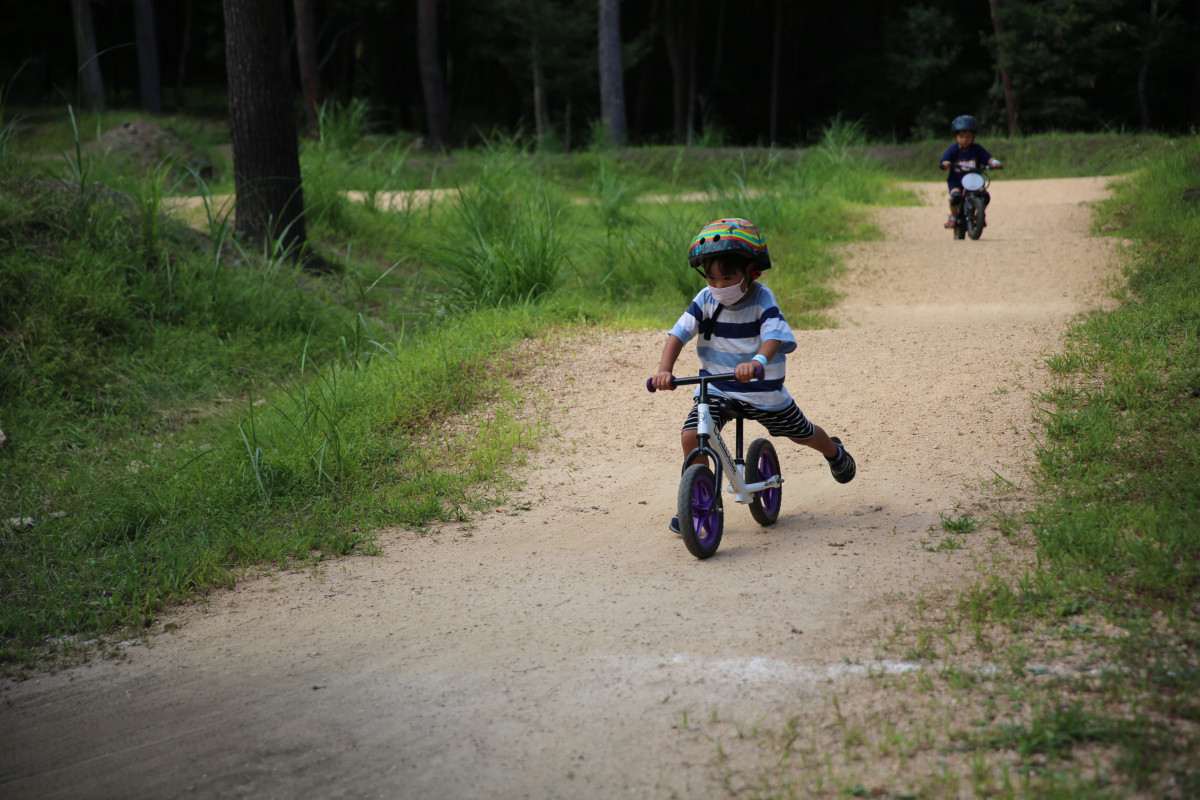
567, 645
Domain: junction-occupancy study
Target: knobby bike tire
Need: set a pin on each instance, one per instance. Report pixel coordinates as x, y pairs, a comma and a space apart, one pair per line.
974, 212
762, 464
701, 514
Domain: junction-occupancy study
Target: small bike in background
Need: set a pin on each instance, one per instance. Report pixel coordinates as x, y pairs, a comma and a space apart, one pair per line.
754, 481
972, 210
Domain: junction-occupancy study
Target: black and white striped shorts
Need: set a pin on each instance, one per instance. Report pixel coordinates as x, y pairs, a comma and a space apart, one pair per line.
788, 421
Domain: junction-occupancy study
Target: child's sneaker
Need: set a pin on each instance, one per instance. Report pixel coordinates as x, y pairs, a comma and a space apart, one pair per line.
842, 465
674, 526
951, 221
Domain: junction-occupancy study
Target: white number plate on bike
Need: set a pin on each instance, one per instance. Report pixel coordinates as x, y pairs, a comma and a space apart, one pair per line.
972, 182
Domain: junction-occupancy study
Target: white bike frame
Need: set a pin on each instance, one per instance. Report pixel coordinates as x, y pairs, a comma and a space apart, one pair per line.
735, 469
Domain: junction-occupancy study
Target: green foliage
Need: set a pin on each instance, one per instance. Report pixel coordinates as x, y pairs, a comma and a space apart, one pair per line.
1061, 53
937, 66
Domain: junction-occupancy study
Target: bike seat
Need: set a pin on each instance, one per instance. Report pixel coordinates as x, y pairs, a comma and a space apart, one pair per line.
720, 403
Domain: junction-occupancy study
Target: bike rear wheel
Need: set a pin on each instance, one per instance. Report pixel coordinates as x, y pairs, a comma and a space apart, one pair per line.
701, 515
762, 464
974, 214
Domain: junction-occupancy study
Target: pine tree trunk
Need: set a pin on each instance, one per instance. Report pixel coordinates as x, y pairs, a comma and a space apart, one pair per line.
306, 59
266, 156
540, 113
150, 79
1010, 102
436, 114
777, 46
91, 83
1196, 70
689, 37
1144, 71
612, 73
673, 29
184, 45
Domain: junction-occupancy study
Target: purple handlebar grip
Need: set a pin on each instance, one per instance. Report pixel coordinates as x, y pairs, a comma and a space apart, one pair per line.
650, 385
759, 371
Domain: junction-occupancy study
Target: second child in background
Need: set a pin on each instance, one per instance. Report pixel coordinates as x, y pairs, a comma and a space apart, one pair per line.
964, 155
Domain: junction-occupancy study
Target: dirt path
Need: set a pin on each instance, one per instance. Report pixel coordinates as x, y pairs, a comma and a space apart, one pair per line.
566, 649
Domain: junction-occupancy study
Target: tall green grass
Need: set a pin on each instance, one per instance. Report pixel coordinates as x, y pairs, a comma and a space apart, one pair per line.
507, 240
1059, 155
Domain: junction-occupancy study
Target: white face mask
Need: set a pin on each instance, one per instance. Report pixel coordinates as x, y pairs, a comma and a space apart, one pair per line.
728, 295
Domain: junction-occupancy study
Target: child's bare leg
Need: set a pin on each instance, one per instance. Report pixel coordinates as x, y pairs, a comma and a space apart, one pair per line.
691, 440
820, 442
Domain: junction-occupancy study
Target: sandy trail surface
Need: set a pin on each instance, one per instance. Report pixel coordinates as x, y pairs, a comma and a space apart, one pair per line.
566, 645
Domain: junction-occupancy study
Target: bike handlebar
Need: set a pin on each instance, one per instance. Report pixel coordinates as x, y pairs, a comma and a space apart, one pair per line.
727, 376
980, 169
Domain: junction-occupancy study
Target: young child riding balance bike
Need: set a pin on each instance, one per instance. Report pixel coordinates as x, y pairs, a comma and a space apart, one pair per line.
740, 327
965, 155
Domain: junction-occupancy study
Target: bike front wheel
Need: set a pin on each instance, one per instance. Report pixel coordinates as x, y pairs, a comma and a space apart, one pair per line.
701, 516
974, 212
762, 464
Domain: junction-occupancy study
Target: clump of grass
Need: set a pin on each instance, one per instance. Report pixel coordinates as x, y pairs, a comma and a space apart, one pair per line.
506, 242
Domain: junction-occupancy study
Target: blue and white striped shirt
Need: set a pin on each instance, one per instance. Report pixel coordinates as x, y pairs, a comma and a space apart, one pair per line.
738, 333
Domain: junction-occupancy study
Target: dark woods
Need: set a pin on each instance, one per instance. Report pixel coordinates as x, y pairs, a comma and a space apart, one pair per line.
699, 72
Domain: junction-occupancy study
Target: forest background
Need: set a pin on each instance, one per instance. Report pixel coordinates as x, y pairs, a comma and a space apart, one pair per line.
710, 72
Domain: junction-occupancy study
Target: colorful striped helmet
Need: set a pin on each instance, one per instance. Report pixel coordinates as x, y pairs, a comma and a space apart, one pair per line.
730, 236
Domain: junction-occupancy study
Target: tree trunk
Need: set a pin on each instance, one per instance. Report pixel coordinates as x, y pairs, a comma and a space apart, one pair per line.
540, 112
150, 80
184, 44
642, 89
90, 82
306, 58
718, 53
682, 72
689, 38
437, 116
1144, 71
1010, 102
776, 47
1196, 70
266, 156
612, 73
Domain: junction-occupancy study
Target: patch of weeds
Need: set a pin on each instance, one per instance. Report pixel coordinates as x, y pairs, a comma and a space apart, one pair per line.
1054, 732
964, 523
944, 545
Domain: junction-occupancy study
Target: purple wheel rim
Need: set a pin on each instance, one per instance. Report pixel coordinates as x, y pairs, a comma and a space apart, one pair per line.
706, 521
768, 467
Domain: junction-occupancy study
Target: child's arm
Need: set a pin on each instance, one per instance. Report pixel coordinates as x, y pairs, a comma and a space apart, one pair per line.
666, 362
745, 371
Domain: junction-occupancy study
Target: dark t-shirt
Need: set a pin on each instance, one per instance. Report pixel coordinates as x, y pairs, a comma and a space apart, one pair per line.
963, 160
